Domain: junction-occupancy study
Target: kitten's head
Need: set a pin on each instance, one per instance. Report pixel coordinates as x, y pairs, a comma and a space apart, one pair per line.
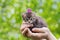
28, 12
27, 19
29, 16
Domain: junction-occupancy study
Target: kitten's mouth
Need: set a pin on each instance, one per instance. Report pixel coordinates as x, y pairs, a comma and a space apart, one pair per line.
31, 22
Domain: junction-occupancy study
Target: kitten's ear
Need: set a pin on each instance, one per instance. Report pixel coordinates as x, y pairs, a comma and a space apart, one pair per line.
23, 15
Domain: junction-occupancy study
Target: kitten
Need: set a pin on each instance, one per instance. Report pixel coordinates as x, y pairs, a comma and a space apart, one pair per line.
31, 18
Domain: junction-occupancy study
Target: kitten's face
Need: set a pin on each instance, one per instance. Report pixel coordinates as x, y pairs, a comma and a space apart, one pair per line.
29, 20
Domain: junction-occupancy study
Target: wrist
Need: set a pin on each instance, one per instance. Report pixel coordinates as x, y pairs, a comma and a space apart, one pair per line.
50, 36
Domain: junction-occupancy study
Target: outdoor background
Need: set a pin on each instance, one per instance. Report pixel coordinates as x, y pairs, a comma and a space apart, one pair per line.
10, 16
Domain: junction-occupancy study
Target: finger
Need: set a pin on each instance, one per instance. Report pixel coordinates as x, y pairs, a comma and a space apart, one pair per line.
39, 35
29, 33
25, 31
32, 35
38, 30
25, 26
43, 35
35, 35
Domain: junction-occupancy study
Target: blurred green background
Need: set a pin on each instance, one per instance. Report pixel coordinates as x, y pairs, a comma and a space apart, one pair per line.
10, 16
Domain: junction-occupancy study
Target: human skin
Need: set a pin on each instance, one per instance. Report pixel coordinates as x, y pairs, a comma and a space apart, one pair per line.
40, 33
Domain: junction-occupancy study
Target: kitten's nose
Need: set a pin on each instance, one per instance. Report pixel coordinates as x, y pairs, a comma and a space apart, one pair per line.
30, 21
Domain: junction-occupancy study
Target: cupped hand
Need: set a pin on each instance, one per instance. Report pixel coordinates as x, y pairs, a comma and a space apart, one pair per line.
39, 33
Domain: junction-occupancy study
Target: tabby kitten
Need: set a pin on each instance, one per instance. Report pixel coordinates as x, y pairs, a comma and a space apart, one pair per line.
31, 18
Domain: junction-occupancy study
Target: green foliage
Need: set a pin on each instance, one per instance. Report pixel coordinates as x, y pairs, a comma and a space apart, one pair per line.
10, 16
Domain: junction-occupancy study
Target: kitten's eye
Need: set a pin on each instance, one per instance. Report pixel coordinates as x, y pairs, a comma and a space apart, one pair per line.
30, 18
27, 19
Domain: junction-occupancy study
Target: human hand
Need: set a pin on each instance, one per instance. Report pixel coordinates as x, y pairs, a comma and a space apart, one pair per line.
24, 27
40, 33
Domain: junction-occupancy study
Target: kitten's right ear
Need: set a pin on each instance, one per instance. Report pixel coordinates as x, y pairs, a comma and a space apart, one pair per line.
23, 16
